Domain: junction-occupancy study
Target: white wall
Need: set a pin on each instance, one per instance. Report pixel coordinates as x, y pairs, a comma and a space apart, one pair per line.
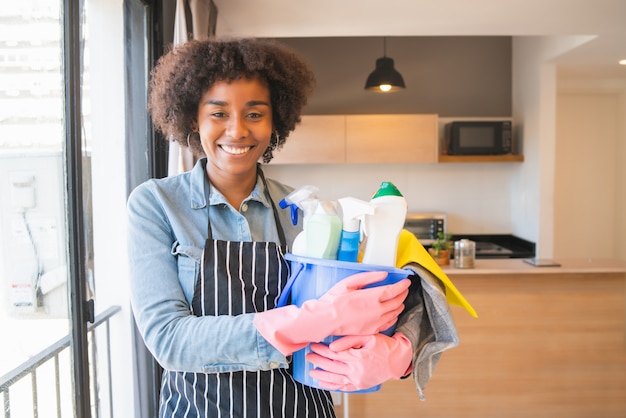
105, 19
534, 108
586, 174
474, 196
574, 164
590, 181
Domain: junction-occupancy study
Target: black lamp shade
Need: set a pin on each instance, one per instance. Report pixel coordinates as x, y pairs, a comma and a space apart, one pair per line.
384, 74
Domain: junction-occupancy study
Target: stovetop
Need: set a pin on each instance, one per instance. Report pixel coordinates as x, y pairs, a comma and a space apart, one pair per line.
499, 245
489, 248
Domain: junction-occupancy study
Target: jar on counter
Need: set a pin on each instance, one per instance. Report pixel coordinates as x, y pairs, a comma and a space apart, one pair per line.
464, 254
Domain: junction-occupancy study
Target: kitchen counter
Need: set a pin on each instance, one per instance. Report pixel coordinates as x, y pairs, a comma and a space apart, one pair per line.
548, 342
498, 246
518, 266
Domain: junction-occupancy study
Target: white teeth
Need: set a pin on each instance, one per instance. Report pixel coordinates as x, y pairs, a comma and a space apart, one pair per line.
235, 150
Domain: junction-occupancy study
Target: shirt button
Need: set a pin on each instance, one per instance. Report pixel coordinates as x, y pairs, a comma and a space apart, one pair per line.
244, 207
273, 365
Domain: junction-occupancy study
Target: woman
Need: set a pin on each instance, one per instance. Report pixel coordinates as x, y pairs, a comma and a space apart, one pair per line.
206, 247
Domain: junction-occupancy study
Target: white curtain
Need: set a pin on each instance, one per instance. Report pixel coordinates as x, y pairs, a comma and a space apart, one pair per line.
203, 17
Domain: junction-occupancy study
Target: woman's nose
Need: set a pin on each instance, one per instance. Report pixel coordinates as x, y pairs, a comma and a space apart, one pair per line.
237, 128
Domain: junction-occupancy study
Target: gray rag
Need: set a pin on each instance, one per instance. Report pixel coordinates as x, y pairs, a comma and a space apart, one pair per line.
427, 323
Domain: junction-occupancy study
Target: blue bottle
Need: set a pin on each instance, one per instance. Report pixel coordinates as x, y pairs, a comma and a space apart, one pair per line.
353, 211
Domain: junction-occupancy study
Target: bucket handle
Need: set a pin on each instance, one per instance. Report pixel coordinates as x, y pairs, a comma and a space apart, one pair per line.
282, 300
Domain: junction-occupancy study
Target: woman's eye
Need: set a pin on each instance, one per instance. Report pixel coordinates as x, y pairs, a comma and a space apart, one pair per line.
218, 114
254, 115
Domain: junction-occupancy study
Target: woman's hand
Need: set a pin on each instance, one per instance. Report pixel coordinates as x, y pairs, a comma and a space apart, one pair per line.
357, 310
358, 362
347, 308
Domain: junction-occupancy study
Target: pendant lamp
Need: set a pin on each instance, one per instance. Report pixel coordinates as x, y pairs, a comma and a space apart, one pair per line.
384, 78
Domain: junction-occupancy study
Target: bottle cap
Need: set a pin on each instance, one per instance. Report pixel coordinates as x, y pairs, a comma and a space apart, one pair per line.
387, 189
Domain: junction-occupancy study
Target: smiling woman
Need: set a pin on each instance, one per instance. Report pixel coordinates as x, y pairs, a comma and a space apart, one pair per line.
206, 247
184, 77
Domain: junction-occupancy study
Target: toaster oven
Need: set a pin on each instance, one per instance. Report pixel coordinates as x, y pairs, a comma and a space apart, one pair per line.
425, 226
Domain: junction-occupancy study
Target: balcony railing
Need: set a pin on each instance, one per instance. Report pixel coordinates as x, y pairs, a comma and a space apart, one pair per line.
51, 354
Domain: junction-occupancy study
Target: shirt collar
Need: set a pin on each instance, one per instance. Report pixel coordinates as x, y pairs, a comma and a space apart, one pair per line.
198, 197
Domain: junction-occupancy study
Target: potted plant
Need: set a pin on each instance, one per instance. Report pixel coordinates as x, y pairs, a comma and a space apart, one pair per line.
441, 248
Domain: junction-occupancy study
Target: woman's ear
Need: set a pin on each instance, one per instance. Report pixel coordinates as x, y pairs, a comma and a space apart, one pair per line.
194, 126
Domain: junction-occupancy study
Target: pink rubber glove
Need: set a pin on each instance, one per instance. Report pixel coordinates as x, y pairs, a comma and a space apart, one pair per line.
346, 308
358, 362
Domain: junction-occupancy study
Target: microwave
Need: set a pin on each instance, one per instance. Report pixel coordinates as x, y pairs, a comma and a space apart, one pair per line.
425, 226
479, 138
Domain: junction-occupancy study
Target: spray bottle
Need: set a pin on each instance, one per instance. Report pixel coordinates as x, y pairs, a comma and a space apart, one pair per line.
323, 231
384, 227
302, 198
353, 213
293, 200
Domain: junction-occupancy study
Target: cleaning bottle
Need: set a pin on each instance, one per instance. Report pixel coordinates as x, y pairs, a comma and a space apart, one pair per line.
383, 228
299, 243
294, 199
303, 198
353, 213
323, 231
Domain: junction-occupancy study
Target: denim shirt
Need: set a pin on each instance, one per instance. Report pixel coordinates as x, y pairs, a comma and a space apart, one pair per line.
167, 229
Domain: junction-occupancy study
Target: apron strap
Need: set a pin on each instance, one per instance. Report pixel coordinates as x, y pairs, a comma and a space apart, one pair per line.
279, 227
207, 193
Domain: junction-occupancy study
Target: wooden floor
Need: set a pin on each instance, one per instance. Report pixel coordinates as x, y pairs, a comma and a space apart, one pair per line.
543, 346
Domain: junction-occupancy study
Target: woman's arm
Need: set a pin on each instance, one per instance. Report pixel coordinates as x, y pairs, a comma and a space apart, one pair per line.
178, 339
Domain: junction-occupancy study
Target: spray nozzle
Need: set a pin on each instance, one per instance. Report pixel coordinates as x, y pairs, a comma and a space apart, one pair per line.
295, 199
354, 210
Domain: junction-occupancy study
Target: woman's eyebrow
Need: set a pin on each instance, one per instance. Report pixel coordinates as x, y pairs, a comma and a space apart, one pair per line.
215, 102
257, 103
250, 103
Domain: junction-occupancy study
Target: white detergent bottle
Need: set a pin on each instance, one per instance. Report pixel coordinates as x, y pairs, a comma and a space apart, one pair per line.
353, 211
384, 227
323, 231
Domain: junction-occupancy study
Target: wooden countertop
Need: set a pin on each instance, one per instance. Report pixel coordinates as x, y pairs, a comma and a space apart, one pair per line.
548, 342
517, 266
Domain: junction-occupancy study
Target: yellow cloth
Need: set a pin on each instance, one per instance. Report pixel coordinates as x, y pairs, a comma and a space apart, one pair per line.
410, 250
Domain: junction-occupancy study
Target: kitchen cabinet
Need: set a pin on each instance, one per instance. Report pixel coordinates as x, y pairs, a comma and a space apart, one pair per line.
391, 138
317, 139
333, 139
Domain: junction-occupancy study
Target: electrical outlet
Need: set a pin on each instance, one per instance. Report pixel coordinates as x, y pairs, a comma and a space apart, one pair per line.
22, 190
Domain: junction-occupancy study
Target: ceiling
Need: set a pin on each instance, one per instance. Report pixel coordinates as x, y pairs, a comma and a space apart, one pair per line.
597, 26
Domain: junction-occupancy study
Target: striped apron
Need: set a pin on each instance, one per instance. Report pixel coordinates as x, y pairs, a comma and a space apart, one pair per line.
237, 278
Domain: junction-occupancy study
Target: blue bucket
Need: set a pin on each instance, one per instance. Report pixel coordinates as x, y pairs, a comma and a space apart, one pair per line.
310, 278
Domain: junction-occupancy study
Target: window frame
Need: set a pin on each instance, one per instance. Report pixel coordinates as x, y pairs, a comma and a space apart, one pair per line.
146, 150
80, 308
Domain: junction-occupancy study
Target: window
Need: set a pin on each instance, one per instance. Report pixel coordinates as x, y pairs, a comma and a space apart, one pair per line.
60, 158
